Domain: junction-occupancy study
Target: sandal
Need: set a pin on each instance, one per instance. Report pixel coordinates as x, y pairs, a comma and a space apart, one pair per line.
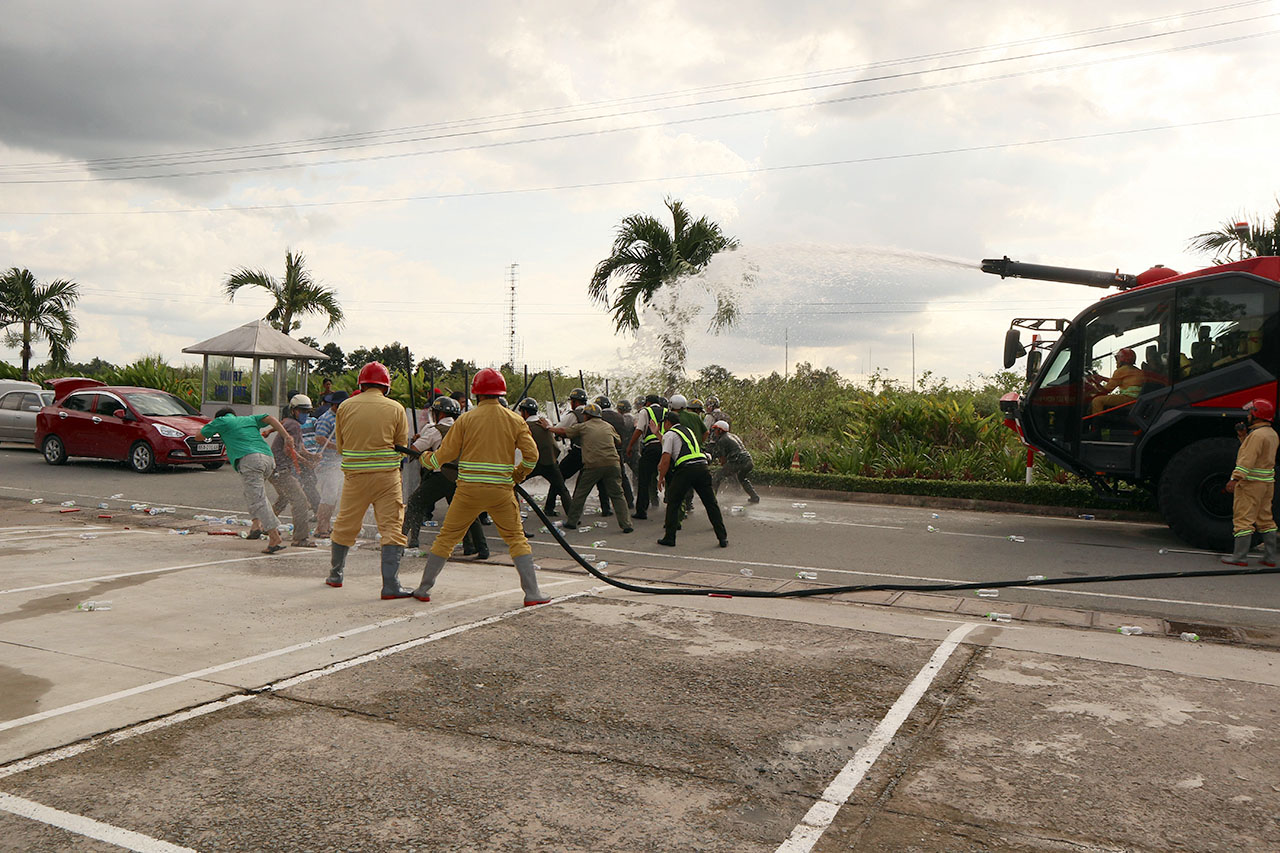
305, 543
255, 534
272, 549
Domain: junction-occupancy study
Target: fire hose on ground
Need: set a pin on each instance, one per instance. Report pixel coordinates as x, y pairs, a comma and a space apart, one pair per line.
722, 592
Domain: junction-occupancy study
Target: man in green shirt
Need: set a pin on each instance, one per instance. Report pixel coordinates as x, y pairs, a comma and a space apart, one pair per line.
250, 455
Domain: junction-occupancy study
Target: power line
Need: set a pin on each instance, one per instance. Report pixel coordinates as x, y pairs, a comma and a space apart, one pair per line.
665, 123
728, 173
374, 135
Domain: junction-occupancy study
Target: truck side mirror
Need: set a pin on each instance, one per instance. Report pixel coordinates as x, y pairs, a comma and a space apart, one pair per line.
1033, 364
1013, 348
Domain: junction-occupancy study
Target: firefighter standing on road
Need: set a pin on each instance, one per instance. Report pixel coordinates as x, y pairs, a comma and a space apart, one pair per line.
369, 427
1252, 485
484, 441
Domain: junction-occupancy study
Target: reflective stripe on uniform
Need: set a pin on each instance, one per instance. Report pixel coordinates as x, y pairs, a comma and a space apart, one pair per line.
1258, 475
370, 460
693, 450
495, 473
656, 416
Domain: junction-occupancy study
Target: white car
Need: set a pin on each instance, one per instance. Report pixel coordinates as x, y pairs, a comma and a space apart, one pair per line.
20, 402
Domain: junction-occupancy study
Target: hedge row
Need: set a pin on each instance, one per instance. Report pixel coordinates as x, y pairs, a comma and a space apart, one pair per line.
1039, 494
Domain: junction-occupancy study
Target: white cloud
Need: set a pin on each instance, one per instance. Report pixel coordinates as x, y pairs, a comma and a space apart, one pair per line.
127, 79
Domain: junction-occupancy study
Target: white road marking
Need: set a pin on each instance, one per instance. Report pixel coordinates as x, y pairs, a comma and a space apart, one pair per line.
99, 578
145, 844
223, 667
88, 827
919, 578
73, 533
1003, 626
823, 812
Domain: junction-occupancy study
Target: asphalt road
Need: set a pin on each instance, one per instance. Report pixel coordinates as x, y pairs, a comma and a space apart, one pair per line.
843, 543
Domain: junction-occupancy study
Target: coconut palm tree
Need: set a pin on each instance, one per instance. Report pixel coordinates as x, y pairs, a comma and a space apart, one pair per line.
648, 261
1263, 239
42, 311
297, 295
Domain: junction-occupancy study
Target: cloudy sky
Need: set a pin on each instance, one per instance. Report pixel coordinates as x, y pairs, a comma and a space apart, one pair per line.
866, 156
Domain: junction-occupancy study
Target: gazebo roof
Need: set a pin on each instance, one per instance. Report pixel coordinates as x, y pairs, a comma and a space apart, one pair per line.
257, 339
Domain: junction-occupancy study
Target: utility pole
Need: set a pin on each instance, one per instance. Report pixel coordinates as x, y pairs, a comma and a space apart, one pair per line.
511, 315
786, 352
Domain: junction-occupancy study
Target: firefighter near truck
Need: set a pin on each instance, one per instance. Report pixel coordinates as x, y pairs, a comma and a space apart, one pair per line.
1143, 390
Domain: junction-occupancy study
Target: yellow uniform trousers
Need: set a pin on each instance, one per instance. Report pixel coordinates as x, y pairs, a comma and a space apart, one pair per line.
469, 501
359, 490
1251, 507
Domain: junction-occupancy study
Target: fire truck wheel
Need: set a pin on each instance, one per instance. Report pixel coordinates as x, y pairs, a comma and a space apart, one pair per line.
1193, 499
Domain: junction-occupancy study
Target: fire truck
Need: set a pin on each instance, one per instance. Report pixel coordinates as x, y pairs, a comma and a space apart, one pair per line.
1205, 343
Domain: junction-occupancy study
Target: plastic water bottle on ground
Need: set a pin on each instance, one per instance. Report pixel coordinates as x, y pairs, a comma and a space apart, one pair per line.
932, 529
601, 566
590, 558
1129, 630
799, 505
1163, 551
599, 543
584, 529
88, 536
807, 576
1087, 516
102, 506
68, 503
988, 593
746, 573
808, 515
37, 500
934, 515
1016, 539
1035, 577
93, 605
601, 523
999, 617
1189, 637
117, 496
735, 510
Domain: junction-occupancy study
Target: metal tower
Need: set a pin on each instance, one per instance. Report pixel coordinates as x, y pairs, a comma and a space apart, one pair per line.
511, 315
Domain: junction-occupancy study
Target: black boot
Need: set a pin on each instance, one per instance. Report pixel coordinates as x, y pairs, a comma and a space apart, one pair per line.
391, 573
337, 562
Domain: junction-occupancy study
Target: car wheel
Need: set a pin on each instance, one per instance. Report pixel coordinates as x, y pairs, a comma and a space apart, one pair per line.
1193, 499
142, 458
55, 452
213, 466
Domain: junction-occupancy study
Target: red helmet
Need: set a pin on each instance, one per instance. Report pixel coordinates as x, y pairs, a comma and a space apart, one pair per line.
489, 382
375, 373
1124, 355
1264, 409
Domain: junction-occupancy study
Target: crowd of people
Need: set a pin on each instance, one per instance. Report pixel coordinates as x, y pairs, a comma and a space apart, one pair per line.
346, 454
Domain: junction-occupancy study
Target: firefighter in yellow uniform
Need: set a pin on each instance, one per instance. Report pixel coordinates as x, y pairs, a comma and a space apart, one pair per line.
369, 426
484, 440
1252, 484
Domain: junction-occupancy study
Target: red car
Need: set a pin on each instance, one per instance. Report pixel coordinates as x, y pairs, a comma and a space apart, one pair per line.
141, 426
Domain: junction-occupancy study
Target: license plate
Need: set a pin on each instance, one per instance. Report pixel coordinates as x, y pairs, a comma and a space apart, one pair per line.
208, 448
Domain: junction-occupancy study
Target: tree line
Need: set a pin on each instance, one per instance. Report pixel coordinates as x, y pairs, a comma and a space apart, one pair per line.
648, 265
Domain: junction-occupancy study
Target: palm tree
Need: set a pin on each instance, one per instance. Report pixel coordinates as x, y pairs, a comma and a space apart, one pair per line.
648, 259
43, 312
1262, 239
298, 295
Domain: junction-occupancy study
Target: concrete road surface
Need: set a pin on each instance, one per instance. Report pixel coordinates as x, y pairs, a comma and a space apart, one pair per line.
230, 701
